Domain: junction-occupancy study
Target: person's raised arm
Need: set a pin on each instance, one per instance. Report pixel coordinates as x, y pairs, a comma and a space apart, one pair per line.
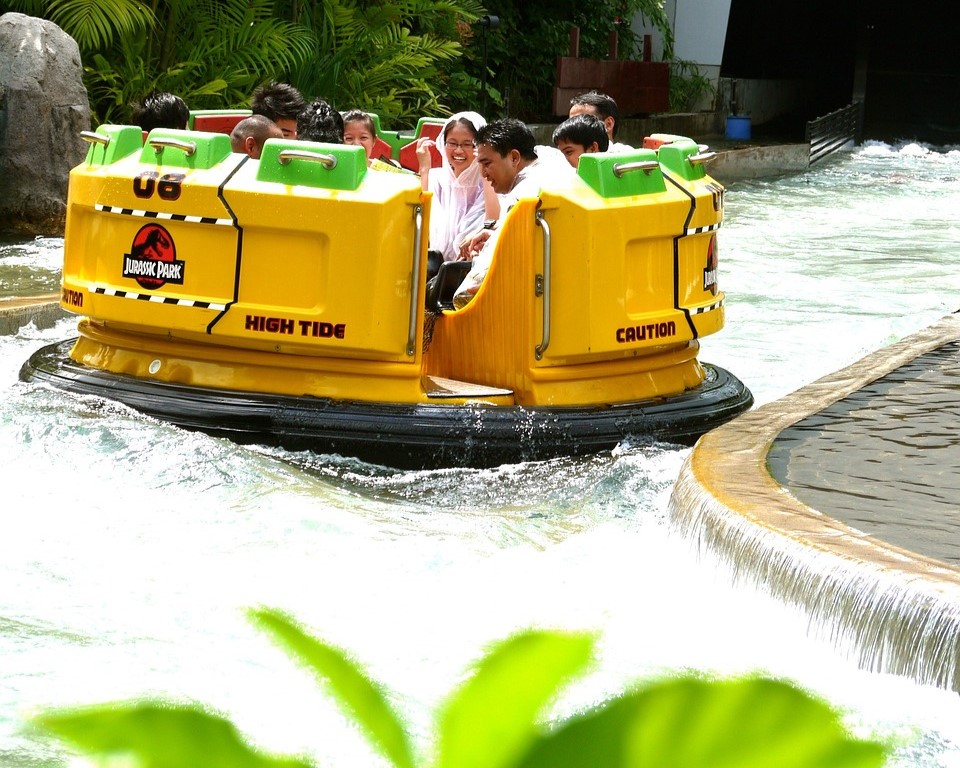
424, 160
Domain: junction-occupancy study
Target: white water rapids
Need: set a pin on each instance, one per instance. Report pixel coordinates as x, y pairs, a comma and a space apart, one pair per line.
129, 549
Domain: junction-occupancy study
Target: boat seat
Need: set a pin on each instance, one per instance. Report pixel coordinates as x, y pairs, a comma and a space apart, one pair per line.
441, 288
381, 150
440, 388
408, 152
218, 122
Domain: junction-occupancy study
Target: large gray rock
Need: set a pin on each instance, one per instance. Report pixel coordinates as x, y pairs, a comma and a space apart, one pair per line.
43, 108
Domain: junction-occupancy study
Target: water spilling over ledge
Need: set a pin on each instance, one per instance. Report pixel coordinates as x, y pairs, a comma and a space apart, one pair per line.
888, 608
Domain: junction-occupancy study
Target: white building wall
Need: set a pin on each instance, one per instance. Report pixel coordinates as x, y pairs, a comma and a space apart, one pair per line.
699, 32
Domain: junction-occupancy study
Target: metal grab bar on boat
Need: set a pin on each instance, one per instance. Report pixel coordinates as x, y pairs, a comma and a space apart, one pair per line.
159, 143
327, 161
95, 138
703, 157
640, 165
543, 286
415, 293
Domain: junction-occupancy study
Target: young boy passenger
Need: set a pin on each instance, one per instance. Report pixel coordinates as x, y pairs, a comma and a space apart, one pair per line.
580, 134
281, 103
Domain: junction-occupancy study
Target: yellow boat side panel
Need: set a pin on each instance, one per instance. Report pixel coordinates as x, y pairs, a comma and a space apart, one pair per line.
697, 275
613, 261
160, 358
132, 256
219, 255
328, 271
494, 340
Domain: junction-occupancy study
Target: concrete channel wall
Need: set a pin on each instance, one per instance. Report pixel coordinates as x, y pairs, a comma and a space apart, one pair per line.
735, 159
42, 311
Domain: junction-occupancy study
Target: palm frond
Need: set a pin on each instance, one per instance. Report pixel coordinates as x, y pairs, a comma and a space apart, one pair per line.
94, 24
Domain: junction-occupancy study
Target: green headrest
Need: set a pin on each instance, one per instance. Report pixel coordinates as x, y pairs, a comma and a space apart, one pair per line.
674, 156
622, 174
185, 149
121, 141
325, 166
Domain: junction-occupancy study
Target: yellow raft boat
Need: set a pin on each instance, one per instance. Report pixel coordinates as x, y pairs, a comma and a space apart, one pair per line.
282, 301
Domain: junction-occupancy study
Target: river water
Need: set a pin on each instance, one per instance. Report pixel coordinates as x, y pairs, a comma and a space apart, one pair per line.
129, 549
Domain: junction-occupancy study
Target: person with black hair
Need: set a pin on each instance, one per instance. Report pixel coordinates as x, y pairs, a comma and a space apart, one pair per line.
580, 135
318, 121
161, 110
281, 103
604, 107
462, 200
507, 155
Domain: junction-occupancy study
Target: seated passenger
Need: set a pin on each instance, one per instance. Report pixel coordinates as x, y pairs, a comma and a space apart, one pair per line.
250, 133
359, 130
604, 107
161, 110
579, 135
506, 153
318, 121
281, 103
462, 200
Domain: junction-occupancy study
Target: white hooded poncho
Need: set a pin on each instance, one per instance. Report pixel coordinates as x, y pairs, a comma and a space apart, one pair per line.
458, 204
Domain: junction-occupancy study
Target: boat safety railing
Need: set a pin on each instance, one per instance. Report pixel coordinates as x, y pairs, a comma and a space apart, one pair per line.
833, 131
415, 293
702, 157
95, 138
641, 165
543, 284
160, 143
327, 161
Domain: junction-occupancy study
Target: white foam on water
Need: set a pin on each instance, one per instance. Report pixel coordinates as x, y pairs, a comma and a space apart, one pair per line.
129, 550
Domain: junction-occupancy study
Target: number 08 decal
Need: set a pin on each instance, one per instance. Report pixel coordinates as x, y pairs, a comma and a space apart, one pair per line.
167, 187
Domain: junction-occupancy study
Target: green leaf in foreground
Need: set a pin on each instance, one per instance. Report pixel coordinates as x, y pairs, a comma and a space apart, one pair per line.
492, 718
359, 696
693, 723
152, 735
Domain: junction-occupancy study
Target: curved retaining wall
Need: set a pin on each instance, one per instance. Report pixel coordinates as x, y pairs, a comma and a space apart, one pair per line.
43, 311
894, 610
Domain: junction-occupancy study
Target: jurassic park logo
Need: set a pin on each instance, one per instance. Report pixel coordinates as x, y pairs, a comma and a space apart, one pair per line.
152, 260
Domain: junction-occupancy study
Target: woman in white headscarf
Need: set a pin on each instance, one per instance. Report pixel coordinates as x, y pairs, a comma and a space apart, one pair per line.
462, 199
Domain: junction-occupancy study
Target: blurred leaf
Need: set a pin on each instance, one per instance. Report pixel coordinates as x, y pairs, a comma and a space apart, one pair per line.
152, 735
491, 720
360, 697
692, 723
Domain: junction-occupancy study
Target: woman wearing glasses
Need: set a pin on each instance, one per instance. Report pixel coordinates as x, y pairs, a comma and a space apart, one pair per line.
462, 200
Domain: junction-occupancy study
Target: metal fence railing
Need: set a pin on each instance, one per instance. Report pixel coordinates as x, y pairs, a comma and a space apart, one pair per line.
834, 131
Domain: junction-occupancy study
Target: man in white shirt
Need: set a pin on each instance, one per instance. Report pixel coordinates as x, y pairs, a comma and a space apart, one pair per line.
605, 108
506, 153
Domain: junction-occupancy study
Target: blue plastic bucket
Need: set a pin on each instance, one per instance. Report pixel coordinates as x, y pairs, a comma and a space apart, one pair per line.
738, 127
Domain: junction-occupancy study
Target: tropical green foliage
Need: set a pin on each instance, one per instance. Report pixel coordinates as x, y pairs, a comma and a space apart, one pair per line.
93, 24
212, 53
494, 718
400, 58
